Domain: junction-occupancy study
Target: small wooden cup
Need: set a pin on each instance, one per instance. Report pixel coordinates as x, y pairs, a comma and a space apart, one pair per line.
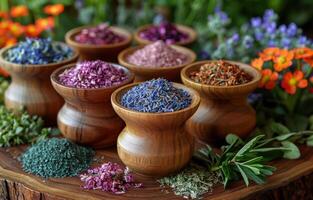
143, 73
31, 87
155, 144
87, 116
107, 52
223, 109
190, 31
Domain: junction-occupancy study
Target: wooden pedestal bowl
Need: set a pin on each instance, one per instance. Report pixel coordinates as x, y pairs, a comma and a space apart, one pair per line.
31, 87
87, 116
143, 73
190, 31
223, 109
107, 52
155, 144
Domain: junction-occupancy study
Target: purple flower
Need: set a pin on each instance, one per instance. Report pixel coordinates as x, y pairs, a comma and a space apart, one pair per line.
282, 28
303, 41
269, 15
256, 22
272, 43
258, 36
292, 30
235, 37
204, 55
248, 41
286, 43
222, 16
271, 28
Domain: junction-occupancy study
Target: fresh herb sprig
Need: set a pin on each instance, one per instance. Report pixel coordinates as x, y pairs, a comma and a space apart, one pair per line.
21, 129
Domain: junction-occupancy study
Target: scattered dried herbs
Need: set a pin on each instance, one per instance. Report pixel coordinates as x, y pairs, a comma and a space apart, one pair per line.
99, 35
93, 74
109, 177
220, 73
192, 182
38, 51
165, 31
56, 157
156, 96
22, 128
157, 54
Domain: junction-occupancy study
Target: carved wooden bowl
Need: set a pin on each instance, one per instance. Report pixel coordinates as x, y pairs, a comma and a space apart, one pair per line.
87, 116
155, 144
223, 109
31, 87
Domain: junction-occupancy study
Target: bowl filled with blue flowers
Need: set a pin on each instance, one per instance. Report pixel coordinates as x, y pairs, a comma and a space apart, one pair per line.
155, 141
30, 64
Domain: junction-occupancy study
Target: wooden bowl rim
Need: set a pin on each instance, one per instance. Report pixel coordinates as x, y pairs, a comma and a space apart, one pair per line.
54, 80
193, 93
70, 59
123, 61
255, 78
186, 29
70, 41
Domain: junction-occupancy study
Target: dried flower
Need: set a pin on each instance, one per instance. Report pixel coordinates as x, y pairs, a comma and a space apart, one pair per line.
155, 96
109, 177
220, 73
157, 54
93, 74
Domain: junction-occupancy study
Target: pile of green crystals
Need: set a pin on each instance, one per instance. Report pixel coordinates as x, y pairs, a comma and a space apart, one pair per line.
56, 157
192, 182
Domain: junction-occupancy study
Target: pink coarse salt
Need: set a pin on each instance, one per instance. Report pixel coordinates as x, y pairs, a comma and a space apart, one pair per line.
157, 54
93, 74
110, 177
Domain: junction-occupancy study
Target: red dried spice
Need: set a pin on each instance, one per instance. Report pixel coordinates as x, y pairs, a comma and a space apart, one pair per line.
220, 73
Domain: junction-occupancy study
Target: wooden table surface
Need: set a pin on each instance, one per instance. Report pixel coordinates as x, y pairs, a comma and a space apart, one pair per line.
15, 184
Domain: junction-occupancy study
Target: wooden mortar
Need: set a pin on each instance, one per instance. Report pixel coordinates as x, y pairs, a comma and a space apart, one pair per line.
223, 109
155, 144
190, 31
31, 87
106, 52
143, 73
87, 116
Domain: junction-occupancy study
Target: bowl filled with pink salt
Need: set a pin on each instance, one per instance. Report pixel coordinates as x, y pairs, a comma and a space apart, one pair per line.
87, 117
102, 41
156, 60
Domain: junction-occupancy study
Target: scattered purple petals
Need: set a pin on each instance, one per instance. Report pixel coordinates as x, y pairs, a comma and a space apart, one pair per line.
110, 177
99, 35
157, 54
93, 74
165, 31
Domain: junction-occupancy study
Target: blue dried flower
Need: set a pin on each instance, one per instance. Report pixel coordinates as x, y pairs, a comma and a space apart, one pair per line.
156, 96
38, 51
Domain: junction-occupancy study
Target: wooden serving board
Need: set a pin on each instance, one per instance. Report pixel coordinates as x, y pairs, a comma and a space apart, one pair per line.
292, 180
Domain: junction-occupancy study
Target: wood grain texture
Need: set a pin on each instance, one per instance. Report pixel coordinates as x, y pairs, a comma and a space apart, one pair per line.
87, 116
107, 52
32, 89
146, 73
292, 180
190, 31
223, 109
155, 144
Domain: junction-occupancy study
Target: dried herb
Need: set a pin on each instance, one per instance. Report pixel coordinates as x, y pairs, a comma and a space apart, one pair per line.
109, 177
4, 84
220, 73
56, 157
192, 182
157, 95
21, 129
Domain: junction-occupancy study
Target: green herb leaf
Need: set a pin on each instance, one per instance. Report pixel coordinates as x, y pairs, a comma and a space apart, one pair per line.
293, 152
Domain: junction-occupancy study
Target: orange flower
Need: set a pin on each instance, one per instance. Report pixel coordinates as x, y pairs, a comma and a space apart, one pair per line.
303, 52
292, 81
282, 60
257, 63
45, 23
309, 61
3, 14
19, 11
10, 42
5, 24
54, 10
16, 29
269, 79
32, 30
269, 53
